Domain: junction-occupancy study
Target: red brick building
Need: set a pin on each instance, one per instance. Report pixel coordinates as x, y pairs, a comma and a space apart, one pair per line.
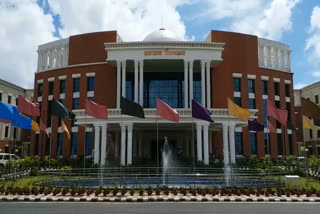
102, 67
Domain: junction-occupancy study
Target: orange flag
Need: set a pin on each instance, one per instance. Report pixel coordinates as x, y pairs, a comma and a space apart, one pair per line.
35, 126
237, 111
65, 129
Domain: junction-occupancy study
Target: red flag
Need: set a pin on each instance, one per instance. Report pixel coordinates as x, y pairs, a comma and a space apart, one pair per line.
165, 111
27, 107
272, 110
271, 127
43, 127
283, 116
95, 110
4, 121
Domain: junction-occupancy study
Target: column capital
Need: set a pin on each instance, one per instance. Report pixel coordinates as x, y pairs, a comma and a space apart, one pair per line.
96, 126
130, 126
225, 125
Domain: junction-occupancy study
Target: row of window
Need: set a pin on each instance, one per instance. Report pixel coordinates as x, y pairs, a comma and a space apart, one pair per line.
251, 87
267, 148
62, 86
9, 99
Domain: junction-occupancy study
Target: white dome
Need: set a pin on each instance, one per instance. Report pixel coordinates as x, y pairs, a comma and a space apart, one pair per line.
162, 35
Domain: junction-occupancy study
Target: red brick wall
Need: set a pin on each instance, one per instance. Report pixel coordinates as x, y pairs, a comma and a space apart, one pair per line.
240, 55
88, 48
105, 89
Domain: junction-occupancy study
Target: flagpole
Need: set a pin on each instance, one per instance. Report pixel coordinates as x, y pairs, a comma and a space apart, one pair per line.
268, 145
84, 143
50, 143
157, 145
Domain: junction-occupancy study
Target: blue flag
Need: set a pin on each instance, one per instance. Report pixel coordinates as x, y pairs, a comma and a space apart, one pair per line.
7, 112
22, 122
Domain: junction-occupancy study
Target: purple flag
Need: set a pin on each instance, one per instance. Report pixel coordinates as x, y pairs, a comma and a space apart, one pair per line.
200, 112
255, 126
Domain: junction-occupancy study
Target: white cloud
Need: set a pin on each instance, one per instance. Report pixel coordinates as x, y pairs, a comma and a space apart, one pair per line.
313, 41
23, 28
299, 85
268, 19
132, 19
316, 73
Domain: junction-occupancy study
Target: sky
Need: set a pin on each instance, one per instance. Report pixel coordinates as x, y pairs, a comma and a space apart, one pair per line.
25, 24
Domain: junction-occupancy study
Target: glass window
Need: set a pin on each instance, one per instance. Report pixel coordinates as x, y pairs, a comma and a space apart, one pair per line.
237, 84
1, 156
76, 84
49, 114
90, 83
287, 86
62, 101
276, 88
60, 144
197, 91
279, 142
89, 143
9, 99
62, 86
266, 148
91, 98
74, 140
317, 99
0, 96
50, 88
6, 132
40, 87
6, 157
76, 102
288, 107
277, 104
238, 139
311, 133
264, 87
237, 100
251, 85
16, 101
253, 143
129, 90
252, 104
290, 144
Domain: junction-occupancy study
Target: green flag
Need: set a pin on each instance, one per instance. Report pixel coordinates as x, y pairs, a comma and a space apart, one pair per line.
291, 126
131, 108
59, 110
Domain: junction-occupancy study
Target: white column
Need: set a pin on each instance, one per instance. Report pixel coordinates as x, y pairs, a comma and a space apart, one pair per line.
185, 84
282, 60
124, 79
225, 144
103, 144
141, 84
208, 85
203, 83
96, 144
232, 143
190, 82
58, 54
123, 144
118, 83
288, 62
67, 55
199, 142
39, 60
129, 145
205, 144
136, 66
269, 56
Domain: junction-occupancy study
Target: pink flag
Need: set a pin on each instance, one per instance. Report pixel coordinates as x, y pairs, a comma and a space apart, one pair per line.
43, 127
166, 112
283, 116
272, 110
95, 110
271, 127
27, 107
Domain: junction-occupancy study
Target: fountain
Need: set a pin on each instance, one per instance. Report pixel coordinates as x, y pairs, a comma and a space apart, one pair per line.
166, 158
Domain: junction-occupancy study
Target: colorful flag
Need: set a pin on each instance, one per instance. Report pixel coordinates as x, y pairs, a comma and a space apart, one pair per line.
255, 126
307, 123
237, 111
27, 107
272, 110
59, 110
165, 111
65, 129
200, 112
7, 112
95, 110
131, 108
35, 126
283, 116
310, 109
44, 128
271, 127
22, 122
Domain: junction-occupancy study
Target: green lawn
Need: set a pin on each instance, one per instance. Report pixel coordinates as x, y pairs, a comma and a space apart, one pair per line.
27, 181
310, 183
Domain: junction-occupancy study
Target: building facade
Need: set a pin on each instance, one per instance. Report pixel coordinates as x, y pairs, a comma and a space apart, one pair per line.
310, 138
102, 67
12, 139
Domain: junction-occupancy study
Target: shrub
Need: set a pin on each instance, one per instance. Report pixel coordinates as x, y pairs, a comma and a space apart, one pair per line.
124, 190
56, 191
115, 191
132, 191
97, 192
106, 191
34, 190
141, 190
149, 191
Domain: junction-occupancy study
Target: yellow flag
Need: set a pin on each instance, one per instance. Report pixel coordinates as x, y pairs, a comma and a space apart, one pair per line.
307, 123
65, 129
35, 126
237, 111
